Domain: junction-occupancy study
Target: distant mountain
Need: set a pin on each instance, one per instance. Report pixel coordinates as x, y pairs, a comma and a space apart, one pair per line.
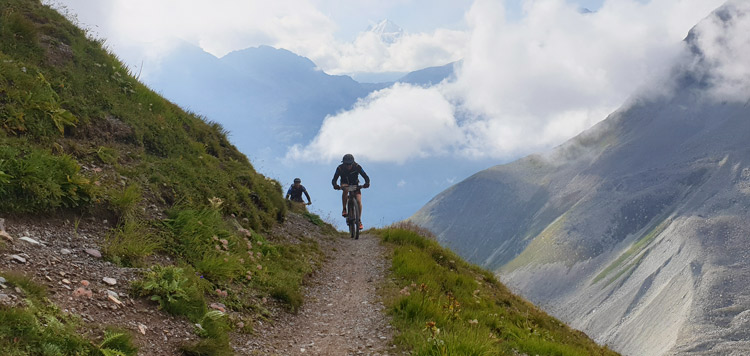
634, 231
270, 96
431, 76
388, 31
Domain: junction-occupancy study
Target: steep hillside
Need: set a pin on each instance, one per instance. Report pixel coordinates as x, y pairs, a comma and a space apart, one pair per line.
634, 231
101, 177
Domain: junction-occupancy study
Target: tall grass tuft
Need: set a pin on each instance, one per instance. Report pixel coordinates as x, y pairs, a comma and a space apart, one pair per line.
125, 203
130, 243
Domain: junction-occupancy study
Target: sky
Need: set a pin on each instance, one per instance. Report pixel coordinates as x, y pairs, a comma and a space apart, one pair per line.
532, 73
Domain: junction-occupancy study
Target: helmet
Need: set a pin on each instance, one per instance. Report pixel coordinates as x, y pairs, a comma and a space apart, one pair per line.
348, 159
297, 180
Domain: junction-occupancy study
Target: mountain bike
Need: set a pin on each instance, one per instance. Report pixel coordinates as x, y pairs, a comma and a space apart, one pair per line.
352, 210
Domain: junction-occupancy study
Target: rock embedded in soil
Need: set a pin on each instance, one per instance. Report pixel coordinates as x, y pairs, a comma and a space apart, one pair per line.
18, 259
109, 281
29, 240
93, 252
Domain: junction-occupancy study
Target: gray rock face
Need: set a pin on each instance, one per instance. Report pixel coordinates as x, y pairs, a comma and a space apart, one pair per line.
636, 231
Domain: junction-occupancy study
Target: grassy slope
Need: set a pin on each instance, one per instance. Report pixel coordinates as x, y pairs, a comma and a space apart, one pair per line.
79, 134
445, 306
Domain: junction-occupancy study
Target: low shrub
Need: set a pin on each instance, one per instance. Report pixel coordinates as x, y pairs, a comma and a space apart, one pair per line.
38, 181
177, 290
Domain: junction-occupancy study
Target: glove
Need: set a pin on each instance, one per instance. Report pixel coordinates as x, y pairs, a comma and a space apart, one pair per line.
336, 187
367, 185
309, 203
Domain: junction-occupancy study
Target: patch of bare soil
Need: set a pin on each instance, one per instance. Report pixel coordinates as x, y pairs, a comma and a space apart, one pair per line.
342, 314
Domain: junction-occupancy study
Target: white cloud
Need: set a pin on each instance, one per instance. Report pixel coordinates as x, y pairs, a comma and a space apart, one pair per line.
530, 84
401, 183
368, 53
146, 29
391, 125
725, 47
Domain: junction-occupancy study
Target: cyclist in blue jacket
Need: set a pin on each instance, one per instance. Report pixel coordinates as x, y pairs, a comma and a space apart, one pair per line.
295, 192
349, 171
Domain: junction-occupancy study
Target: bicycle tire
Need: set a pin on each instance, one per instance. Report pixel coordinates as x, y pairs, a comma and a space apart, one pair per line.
353, 218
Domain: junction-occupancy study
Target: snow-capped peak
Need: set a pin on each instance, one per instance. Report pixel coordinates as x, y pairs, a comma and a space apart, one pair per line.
388, 31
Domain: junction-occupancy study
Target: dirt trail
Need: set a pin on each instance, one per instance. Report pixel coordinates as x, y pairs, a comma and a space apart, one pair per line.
342, 314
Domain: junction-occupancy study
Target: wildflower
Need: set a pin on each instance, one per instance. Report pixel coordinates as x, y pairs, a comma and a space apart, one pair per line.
473, 322
215, 202
260, 267
215, 238
218, 248
405, 291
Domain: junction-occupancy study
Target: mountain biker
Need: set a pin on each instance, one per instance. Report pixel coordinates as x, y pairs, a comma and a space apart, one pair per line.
349, 171
296, 190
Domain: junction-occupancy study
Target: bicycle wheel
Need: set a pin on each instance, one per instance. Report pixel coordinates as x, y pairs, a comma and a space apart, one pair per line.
352, 218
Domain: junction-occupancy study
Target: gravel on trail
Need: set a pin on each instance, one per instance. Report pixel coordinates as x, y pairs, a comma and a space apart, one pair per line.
342, 313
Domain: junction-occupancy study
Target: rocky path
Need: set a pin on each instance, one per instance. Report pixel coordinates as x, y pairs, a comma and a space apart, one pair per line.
342, 314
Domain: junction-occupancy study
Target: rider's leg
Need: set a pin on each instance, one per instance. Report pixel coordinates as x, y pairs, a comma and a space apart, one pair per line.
343, 198
359, 203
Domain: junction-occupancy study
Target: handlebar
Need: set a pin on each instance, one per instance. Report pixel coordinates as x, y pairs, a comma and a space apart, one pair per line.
351, 188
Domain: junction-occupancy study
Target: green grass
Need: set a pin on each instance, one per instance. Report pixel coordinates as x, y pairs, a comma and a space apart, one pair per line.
37, 180
442, 305
39, 328
66, 102
130, 244
178, 290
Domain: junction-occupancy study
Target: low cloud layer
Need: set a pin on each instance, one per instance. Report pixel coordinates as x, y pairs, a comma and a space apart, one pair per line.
524, 85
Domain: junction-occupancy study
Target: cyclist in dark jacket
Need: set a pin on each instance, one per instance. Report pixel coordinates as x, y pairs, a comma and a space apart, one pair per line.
295, 192
349, 172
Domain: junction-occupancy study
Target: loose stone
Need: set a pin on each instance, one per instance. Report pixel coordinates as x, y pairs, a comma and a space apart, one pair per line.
109, 281
93, 252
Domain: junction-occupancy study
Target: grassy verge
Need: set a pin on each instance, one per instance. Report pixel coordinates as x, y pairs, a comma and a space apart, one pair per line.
442, 305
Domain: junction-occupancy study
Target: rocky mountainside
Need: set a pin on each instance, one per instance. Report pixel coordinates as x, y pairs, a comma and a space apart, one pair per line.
636, 230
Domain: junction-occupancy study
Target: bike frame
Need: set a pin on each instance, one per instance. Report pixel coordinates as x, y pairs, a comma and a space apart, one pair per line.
352, 208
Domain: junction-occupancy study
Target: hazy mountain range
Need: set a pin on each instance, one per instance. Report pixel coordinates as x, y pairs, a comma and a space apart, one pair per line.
636, 231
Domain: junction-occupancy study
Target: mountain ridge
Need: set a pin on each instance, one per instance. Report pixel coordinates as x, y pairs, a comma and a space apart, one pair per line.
640, 215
